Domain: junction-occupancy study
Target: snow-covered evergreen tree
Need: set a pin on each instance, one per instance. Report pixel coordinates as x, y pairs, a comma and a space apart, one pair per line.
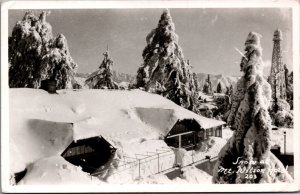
35, 55
165, 71
219, 88
229, 90
289, 87
196, 83
102, 78
207, 88
250, 120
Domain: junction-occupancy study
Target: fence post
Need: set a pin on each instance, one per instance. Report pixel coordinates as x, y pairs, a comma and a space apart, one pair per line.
139, 168
157, 162
192, 156
176, 152
284, 141
221, 131
179, 141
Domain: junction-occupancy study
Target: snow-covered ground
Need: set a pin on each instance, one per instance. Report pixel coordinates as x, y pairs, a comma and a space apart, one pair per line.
227, 133
190, 175
211, 148
42, 125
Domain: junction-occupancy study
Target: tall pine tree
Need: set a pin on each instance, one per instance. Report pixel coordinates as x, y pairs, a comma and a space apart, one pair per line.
289, 87
219, 88
207, 88
35, 55
196, 83
102, 78
165, 71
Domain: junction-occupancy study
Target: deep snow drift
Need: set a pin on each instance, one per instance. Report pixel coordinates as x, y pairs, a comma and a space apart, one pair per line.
42, 125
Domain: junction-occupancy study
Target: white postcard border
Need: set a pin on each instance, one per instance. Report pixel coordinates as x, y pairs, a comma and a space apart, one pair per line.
142, 4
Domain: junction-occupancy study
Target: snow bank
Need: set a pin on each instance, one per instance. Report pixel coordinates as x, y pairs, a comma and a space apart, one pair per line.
211, 148
33, 139
193, 175
148, 158
227, 133
190, 175
56, 171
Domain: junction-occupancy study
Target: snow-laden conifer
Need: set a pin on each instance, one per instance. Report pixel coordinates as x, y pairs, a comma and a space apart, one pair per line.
35, 55
165, 71
102, 78
247, 153
219, 88
207, 88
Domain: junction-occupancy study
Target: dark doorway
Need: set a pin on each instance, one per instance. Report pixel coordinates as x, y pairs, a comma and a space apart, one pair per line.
90, 154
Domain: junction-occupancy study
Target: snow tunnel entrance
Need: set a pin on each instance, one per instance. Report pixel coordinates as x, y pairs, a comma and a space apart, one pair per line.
90, 154
184, 134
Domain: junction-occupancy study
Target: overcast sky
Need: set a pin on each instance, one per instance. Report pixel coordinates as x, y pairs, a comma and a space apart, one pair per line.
208, 37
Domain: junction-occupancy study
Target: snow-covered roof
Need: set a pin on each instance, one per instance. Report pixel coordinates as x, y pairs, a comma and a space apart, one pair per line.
123, 118
138, 109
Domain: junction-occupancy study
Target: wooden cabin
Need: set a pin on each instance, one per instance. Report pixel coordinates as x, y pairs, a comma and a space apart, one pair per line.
90, 154
187, 133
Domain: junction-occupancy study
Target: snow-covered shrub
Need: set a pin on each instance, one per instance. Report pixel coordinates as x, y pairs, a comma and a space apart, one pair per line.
76, 86
284, 119
223, 104
164, 70
283, 105
35, 55
209, 113
249, 147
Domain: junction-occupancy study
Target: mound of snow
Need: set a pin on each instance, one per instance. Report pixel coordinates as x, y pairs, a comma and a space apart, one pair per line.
193, 175
190, 175
56, 171
211, 148
33, 139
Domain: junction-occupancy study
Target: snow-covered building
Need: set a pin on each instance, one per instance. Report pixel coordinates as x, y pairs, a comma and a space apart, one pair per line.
125, 123
180, 127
